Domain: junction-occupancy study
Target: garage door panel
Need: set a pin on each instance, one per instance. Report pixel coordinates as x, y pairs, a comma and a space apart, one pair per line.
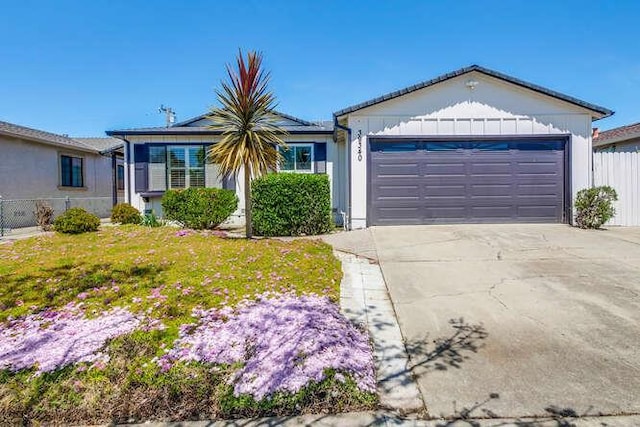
444, 182
443, 169
490, 190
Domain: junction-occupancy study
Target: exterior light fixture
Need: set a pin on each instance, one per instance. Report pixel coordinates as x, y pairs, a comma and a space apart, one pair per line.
471, 84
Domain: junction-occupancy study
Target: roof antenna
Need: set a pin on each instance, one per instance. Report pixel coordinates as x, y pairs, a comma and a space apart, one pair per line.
170, 115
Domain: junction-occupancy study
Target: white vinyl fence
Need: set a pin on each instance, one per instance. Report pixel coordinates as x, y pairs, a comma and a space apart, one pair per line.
622, 172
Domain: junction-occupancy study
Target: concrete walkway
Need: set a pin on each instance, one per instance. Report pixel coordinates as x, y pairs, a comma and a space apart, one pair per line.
364, 299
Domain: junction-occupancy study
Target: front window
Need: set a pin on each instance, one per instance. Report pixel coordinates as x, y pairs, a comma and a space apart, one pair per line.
298, 158
186, 166
71, 171
120, 177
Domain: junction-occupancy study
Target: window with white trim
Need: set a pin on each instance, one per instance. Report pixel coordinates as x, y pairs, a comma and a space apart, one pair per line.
298, 158
186, 166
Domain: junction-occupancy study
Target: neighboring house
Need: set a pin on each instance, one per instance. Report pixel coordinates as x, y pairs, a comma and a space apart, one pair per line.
39, 165
621, 139
474, 145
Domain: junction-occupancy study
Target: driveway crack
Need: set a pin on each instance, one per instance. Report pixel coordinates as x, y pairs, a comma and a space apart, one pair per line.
490, 292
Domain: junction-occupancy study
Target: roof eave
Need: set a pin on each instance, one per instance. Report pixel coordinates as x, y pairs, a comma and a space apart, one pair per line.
49, 142
600, 112
169, 131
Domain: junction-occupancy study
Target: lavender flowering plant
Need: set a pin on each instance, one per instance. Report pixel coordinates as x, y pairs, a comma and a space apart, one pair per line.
283, 342
51, 340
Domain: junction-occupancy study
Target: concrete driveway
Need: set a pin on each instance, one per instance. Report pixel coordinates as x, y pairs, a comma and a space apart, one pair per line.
516, 320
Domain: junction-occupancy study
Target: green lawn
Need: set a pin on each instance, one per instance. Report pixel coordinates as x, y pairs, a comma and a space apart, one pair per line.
123, 266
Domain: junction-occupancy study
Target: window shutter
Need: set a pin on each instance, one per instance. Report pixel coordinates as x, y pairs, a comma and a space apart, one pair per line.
320, 157
141, 157
229, 182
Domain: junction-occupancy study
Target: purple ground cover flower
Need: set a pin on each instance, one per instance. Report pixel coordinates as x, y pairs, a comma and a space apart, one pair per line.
284, 341
53, 339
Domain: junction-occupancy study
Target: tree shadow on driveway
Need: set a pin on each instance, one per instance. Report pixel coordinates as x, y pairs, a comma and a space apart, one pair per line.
450, 351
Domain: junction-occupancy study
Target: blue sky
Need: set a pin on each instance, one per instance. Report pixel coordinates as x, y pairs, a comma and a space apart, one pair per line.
81, 67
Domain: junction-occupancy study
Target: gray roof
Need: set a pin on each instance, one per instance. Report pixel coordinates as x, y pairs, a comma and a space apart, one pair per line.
183, 128
31, 134
102, 144
601, 111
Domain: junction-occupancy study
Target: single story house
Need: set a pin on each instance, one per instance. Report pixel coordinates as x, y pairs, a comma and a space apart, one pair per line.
620, 139
64, 171
470, 146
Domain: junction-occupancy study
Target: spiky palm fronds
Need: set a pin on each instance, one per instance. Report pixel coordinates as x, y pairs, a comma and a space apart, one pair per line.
246, 119
250, 133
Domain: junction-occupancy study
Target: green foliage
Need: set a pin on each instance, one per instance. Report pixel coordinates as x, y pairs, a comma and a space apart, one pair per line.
199, 208
76, 221
150, 220
595, 206
289, 204
120, 266
248, 123
331, 393
124, 213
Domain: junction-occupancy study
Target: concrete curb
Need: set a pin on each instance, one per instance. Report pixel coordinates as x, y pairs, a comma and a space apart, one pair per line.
384, 419
364, 299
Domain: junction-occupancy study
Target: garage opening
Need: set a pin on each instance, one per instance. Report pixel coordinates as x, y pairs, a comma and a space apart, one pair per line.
467, 181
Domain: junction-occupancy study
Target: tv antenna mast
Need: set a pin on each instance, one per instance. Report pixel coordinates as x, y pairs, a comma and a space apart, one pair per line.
170, 115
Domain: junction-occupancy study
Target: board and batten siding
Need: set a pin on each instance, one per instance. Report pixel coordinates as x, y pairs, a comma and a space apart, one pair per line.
450, 108
621, 171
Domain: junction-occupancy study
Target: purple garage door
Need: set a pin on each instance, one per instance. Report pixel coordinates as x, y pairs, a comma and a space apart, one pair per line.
485, 181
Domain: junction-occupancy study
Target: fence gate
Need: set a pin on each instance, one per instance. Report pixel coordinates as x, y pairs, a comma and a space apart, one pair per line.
622, 172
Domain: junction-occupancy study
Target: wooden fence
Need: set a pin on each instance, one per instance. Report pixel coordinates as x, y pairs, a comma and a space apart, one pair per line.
622, 172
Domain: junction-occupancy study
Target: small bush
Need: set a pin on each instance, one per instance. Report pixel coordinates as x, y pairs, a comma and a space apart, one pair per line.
595, 206
150, 220
76, 221
44, 215
124, 213
288, 204
199, 208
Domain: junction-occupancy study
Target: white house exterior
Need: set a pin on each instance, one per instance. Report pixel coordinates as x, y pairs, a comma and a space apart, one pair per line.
474, 145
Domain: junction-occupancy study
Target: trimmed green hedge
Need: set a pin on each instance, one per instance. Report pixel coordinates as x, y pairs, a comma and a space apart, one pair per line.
76, 221
290, 204
199, 208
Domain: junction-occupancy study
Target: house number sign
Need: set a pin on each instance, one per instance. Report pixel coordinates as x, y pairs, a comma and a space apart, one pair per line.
359, 145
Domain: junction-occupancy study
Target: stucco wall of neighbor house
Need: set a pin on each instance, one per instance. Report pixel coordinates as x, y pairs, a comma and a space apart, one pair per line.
628, 146
31, 170
154, 203
450, 108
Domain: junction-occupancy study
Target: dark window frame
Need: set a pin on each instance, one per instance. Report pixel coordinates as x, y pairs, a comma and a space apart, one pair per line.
66, 177
120, 177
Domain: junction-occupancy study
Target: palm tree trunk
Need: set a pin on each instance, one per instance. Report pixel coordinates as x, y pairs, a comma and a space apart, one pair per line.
247, 202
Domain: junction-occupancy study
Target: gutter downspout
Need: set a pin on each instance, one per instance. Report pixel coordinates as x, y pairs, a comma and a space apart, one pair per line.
348, 147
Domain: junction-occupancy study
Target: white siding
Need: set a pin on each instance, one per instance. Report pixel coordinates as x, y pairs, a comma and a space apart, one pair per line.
493, 108
622, 172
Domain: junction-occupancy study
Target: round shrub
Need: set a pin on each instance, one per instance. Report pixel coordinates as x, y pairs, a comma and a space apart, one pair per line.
595, 206
124, 213
76, 221
289, 204
199, 208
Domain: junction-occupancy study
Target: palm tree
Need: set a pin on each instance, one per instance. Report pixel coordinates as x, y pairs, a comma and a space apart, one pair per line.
250, 133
